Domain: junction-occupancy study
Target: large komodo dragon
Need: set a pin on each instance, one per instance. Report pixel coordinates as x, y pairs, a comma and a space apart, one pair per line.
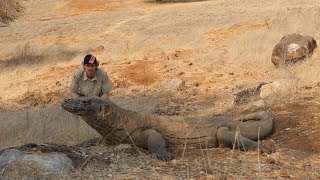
155, 133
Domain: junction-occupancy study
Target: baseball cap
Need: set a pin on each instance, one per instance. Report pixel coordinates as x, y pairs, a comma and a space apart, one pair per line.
90, 59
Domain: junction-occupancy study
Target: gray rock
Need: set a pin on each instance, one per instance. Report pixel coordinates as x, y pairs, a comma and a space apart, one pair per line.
292, 48
8, 155
278, 88
260, 104
17, 164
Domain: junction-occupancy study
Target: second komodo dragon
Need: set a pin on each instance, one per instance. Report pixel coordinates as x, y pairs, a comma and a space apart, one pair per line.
156, 133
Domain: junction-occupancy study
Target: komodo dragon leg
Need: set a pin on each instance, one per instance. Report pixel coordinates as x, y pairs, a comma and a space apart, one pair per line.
227, 138
153, 141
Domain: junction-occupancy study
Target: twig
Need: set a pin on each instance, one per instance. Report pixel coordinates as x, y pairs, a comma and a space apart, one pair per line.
187, 135
205, 164
265, 20
259, 168
85, 162
138, 148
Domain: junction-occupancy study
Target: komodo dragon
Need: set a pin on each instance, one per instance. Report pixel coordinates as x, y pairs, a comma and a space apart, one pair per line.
155, 133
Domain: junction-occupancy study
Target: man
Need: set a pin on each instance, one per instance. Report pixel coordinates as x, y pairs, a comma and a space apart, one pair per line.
91, 80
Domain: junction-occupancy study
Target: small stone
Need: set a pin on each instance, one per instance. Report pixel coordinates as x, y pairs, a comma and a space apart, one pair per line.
260, 104
259, 167
271, 160
175, 84
122, 147
174, 162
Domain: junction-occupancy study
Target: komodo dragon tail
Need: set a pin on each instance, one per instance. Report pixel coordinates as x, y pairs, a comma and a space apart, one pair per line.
249, 125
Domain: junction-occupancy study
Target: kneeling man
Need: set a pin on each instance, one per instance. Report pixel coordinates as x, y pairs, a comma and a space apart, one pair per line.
90, 80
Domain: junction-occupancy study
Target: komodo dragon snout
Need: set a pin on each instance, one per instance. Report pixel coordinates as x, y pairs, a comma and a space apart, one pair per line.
156, 133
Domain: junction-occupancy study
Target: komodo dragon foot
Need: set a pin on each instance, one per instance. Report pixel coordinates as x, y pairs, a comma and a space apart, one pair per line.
228, 138
153, 141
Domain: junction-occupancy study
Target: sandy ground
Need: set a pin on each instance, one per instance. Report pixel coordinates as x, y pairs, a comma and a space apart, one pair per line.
219, 47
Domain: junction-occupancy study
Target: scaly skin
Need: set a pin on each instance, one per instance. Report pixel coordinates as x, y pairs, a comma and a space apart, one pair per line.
155, 133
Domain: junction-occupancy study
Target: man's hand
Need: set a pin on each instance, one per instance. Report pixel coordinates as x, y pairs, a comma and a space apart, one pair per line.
74, 95
105, 96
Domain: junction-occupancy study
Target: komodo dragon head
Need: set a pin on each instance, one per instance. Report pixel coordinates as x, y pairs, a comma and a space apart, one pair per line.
83, 105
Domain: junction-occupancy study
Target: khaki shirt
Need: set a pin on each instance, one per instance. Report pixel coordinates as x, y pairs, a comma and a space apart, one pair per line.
97, 86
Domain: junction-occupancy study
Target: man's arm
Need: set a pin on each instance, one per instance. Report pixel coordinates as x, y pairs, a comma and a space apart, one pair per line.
74, 95
74, 86
106, 87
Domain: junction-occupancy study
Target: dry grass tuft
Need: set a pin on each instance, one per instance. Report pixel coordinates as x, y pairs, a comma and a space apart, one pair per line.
9, 10
30, 55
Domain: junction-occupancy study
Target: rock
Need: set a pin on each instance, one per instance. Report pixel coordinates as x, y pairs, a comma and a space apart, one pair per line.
8, 155
260, 104
275, 155
259, 167
270, 160
277, 88
174, 162
247, 94
17, 164
175, 84
122, 147
293, 48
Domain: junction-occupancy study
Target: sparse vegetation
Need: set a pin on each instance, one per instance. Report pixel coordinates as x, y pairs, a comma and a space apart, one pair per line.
31, 55
9, 10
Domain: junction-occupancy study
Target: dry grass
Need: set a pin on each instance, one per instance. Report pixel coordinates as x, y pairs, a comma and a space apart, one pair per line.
54, 125
49, 125
9, 10
252, 50
246, 52
31, 55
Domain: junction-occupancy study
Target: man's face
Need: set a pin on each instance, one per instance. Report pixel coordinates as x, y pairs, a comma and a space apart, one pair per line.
90, 70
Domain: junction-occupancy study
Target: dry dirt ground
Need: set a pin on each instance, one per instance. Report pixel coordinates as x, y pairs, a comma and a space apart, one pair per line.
219, 47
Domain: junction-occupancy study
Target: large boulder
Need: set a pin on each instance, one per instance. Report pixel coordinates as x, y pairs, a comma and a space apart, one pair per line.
16, 164
292, 48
